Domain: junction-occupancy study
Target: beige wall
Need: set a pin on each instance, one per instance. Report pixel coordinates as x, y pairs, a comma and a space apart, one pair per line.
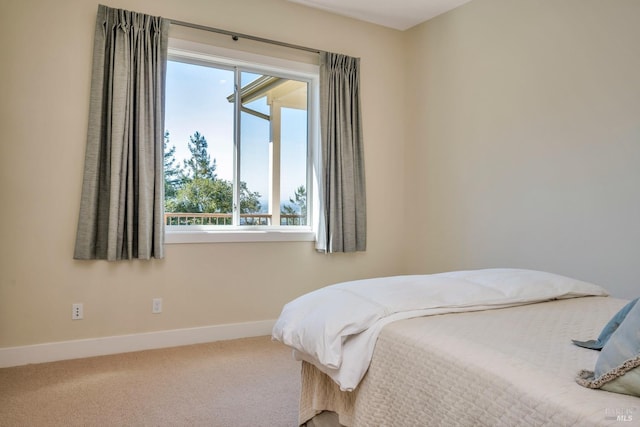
524, 139
44, 86
513, 124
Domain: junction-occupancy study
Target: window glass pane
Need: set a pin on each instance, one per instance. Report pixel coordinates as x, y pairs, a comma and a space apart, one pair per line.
198, 145
273, 150
293, 176
254, 163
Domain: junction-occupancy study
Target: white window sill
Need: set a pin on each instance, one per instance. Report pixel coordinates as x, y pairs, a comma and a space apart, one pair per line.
178, 235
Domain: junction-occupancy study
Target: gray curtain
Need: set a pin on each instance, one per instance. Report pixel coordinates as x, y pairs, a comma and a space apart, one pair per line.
343, 225
121, 209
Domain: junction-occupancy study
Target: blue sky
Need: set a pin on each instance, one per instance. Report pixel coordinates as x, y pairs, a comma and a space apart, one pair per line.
196, 101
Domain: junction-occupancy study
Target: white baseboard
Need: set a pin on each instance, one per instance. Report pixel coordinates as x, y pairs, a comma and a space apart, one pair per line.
63, 350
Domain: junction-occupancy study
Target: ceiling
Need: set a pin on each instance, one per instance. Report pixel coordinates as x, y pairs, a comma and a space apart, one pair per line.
398, 14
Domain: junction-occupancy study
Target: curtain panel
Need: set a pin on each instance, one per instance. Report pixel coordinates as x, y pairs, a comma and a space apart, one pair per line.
343, 221
121, 208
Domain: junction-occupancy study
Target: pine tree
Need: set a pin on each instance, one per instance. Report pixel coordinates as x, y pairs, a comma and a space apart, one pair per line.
173, 174
298, 205
199, 166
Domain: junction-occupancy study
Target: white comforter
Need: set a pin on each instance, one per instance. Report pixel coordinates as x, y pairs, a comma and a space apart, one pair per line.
336, 327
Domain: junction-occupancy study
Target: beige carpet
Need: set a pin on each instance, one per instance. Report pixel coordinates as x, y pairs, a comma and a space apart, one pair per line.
246, 382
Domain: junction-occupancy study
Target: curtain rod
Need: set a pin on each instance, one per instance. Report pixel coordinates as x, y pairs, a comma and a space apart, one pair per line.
236, 36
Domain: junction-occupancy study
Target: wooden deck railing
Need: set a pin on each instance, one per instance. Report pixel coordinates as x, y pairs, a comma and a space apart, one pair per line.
185, 218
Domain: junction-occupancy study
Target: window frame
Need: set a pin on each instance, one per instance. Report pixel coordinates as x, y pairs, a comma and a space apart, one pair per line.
209, 55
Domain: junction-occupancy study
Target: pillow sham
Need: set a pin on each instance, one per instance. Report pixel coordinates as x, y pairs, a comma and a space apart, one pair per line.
609, 328
618, 366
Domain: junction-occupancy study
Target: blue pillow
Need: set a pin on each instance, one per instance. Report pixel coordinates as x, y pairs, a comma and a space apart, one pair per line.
618, 366
609, 328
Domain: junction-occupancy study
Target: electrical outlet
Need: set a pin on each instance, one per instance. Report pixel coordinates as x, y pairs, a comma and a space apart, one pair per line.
157, 305
77, 311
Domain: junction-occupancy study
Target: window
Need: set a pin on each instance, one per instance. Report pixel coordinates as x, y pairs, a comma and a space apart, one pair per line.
238, 146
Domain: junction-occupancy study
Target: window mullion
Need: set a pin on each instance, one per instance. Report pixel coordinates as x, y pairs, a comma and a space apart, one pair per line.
236, 146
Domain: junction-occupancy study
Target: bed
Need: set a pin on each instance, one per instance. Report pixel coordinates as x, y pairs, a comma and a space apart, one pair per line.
495, 362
